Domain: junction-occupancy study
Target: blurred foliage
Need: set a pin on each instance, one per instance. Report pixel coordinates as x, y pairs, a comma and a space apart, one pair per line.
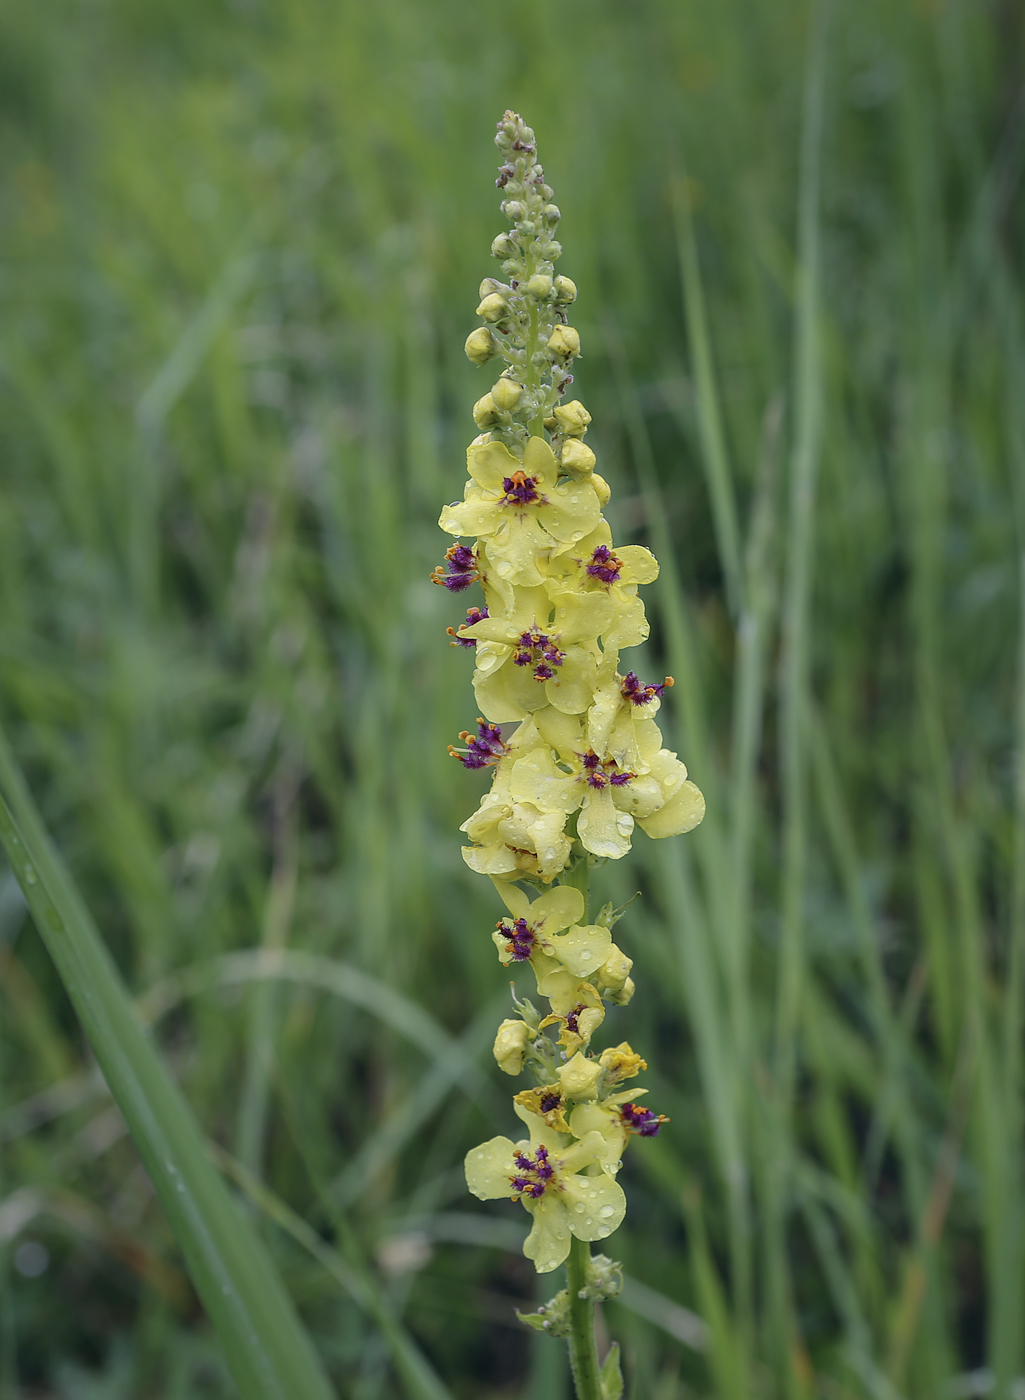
239, 252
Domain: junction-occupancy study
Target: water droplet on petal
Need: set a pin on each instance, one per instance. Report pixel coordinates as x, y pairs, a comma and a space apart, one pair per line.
607, 1211
579, 1207
593, 1195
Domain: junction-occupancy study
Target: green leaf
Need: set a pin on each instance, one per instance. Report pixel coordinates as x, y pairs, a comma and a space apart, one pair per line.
269, 1354
612, 1375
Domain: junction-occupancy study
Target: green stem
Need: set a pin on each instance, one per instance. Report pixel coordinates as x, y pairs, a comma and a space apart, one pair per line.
583, 1353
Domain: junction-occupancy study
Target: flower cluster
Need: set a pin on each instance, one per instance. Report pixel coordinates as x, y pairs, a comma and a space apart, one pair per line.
577, 759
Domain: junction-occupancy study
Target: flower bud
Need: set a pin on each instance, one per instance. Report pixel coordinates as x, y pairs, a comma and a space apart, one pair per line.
540, 286
489, 285
618, 1061
615, 969
503, 246
577, 457
480, 347
572, 419
511, 1046
579, 1077
506, 394
550, 251
565, 291
493, 307
564, 341
625, 994
552, 213
485, 412
602, 488
513, 210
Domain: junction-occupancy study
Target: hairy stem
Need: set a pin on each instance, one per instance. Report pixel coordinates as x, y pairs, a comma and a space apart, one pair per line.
583, 1354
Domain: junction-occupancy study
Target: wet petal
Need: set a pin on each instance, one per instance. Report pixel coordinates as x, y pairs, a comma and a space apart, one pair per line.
489, 463
681, 813
595, 1206
488, 1169
639, 564
582, 950
557, 909
548, 1241
603, 829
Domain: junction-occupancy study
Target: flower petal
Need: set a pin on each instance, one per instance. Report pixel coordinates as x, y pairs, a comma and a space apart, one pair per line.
603, 829
595, 1205
488, 1169
681, 813
489, 463
582, 949
548, 1241
557, 909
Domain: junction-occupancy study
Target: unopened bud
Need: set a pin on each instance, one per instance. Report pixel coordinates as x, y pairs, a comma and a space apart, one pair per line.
625, 994
579, 1077
511, 1046
564, 342
540, 286
503, 246
493, 308
551, 251
565, 291
552, 213
513, 210
480, 346
489, 285
506, 394
615, 970
572, 418
602, 488
577, 457
485, 412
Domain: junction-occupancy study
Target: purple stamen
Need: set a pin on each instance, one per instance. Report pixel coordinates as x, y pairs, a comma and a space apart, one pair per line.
521, 938
483, 750
458, 569
537, 649
521, 490
550, 1102
604, 565
621, 779
641, 694
473, 616
572, 1023
641, 1120
537, 1172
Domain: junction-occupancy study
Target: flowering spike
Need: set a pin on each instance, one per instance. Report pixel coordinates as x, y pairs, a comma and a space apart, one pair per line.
586, 766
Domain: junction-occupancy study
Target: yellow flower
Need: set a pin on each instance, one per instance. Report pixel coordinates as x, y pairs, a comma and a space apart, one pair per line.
514, 839
511, 1045
521, 509
576, 1007
545, 1175
596, 567
526, 659
620, 1062
535, 932
579, 1078
548, 1103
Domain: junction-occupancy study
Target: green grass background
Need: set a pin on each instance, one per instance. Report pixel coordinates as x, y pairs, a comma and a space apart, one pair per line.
239, 251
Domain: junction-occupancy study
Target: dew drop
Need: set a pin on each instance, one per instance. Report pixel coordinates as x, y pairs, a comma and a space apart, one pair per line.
30, 875
574, 499
593, 1195
579, 1207
589, 1223
606, 1211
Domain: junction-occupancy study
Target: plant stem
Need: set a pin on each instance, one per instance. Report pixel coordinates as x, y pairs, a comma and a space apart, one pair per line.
583, 1354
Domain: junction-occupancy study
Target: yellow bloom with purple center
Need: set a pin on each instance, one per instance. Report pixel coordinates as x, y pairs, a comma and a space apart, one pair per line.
547, 1175
521, 509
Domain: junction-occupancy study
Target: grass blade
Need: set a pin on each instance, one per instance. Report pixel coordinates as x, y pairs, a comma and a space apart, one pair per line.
270, 1356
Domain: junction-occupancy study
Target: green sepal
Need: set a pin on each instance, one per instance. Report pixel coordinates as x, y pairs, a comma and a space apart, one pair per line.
552, 1317
612, 1375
